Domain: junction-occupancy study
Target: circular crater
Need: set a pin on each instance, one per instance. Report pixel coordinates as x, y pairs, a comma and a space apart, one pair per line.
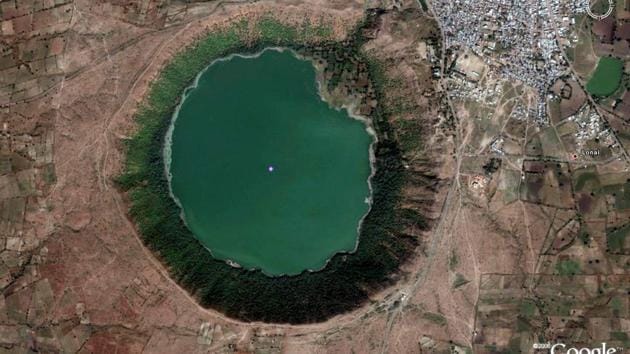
349, 271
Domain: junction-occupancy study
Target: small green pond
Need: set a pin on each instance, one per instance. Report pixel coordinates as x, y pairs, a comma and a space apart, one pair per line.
606, 78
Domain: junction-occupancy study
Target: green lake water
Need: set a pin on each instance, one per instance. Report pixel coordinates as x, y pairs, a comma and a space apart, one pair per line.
267, 174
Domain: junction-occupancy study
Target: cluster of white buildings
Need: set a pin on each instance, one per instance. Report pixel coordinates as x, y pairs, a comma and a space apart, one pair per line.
519, 40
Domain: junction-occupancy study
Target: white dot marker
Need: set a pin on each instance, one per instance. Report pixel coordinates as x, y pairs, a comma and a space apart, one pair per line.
270, 168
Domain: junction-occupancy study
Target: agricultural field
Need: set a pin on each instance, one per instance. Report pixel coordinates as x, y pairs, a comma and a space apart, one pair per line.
513, 310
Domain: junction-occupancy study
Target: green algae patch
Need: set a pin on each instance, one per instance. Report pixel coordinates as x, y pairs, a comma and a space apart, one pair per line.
606, 78
249, 295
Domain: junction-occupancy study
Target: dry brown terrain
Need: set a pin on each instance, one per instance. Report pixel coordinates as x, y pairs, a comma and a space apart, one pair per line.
75, 276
